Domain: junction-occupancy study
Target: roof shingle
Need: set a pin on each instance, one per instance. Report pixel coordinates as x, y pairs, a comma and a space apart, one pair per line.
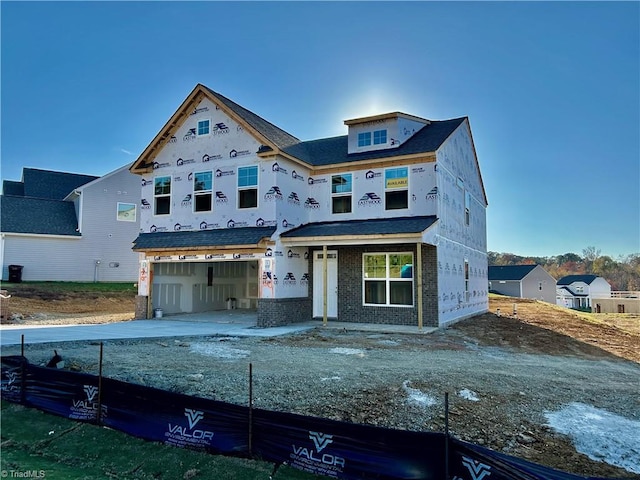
380, 226
249, 236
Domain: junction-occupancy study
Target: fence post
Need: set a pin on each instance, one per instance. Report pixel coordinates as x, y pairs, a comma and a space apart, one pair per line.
446, 435
23, 373
250, 409
99, 419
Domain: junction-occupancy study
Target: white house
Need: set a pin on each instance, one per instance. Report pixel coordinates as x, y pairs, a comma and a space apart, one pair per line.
578, 291
385, 224
523, 281
62, 226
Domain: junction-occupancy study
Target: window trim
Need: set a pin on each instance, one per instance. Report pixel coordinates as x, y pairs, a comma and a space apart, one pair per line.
198, 134
163, 195
202, 193
247, 187
388, 280
342, 194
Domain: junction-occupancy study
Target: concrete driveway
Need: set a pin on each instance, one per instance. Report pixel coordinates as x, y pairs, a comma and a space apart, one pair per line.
237, 323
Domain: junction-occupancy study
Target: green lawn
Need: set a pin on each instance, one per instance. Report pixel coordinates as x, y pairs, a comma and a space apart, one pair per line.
47, 446
71, 287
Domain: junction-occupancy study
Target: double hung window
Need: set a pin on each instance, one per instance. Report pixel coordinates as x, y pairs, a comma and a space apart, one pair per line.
396, 184
248, 187
341, 188
162, 195
388, 279
202, 191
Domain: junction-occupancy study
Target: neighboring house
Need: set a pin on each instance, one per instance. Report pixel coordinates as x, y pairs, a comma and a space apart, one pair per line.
578, 291
523, 281
67, 227
617, 302
385, 225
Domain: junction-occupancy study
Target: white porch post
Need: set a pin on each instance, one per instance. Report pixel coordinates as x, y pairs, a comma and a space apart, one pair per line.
324, 285
418, 267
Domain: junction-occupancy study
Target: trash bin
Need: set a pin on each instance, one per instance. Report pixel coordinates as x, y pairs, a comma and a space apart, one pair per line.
15, 273
231, 303
157, 313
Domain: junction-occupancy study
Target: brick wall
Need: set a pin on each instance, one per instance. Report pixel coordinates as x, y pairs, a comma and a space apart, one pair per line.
350, 292
273, 312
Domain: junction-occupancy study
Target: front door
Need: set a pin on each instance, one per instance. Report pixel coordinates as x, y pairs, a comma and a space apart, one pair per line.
332, 284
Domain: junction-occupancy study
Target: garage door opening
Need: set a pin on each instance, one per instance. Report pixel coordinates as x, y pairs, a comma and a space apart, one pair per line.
203, 287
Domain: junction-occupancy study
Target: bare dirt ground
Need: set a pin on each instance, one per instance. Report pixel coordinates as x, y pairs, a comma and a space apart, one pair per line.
504, 373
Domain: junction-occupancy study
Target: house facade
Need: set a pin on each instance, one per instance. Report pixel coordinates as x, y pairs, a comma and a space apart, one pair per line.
579, 291
62, 226
386, 224
523, 281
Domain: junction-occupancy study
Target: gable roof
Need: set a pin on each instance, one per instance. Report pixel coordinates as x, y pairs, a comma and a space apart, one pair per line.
509, 272
273, 137
571, 292
37, 216
333, 150
221, 237
380, 226
569, 279
50, 184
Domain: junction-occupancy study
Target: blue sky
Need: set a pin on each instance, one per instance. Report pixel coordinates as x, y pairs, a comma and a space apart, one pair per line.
552, 90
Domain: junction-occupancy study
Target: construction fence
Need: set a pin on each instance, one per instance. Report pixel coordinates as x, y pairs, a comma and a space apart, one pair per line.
320, 446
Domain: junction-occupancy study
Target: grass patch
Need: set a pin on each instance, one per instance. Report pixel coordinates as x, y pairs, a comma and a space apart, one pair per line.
70, 287
58, 448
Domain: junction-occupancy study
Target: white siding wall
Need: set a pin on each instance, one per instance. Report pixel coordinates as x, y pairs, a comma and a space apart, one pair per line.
457, 173
103, 238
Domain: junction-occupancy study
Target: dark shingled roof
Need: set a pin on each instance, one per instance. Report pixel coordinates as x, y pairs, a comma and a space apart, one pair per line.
52, 185
509, 272
569, 279
379, 226
275, 134
333, 150
573, 293
203, 238
10, 187
37, 215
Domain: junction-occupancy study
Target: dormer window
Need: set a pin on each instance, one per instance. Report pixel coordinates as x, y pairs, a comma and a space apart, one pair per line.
379, 137
364, 139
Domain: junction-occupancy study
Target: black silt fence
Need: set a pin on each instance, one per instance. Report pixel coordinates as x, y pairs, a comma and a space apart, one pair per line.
337, 449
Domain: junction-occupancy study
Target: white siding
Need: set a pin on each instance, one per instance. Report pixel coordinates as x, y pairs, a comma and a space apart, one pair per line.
104, 238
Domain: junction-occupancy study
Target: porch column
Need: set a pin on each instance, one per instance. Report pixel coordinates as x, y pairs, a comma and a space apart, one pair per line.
418, 268
324, 285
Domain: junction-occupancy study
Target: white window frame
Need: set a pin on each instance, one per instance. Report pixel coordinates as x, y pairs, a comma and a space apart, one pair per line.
342, 194
198, 134
395, 189
121, 217
163, 195
198, 193
248, 187
388, 280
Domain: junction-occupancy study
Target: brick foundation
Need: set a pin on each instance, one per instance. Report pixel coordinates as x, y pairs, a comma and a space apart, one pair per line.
274, 312
142, 311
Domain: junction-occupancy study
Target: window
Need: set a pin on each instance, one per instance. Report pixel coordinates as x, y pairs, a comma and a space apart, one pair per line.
341, 188
202, 188
467, 205
540, 286
364, 139
204, 127
248, 187
162, 195
379, 137
126, 212
396, 182
388, 279
466, 280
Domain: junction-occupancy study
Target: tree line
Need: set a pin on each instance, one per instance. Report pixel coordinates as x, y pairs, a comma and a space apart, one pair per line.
623, 273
